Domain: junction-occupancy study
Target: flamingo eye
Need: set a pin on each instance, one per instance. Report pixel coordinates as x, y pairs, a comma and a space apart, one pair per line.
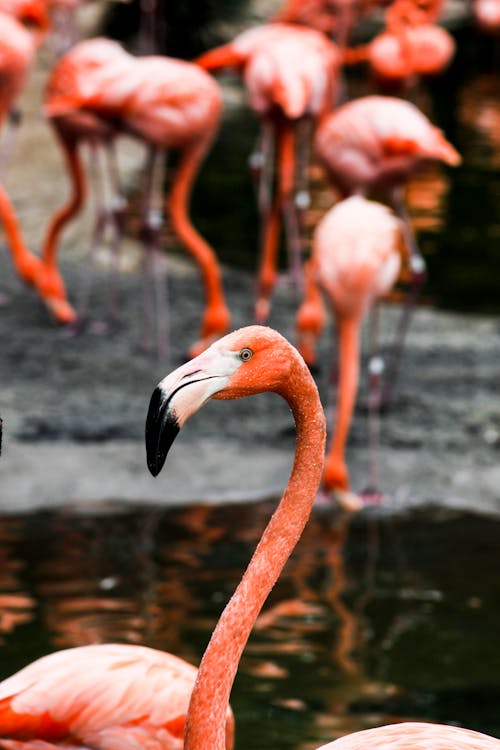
246, 354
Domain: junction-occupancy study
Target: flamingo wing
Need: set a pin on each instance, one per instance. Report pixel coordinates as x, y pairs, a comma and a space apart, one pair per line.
415, 736
103, 696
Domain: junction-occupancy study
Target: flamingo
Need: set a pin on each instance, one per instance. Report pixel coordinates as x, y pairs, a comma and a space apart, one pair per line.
98, 91
290, 74
486, 15
355, 260
377, 143
412, 43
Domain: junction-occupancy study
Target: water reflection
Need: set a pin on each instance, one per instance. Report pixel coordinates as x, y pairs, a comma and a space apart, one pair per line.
370, 622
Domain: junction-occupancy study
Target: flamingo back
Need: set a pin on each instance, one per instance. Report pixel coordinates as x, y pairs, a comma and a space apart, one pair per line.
378, 136
81, 72
167, 102
356, 253
415, 736
105, 696
296, 73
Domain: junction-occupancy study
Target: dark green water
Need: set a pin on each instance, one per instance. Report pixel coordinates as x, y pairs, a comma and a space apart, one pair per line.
368, 624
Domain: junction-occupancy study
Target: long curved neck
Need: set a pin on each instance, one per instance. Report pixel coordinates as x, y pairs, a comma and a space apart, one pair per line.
25, 262
195, 244
73, 205
205, 727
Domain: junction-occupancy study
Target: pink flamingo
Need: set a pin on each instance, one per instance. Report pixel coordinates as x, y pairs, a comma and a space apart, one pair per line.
355, 261
290, 74
412, 44
377, 143
98, 91
46, 698
487, 15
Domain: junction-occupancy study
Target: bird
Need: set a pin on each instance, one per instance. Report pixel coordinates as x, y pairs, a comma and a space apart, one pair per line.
290, 73
124, 695
100, 696
376, 144
245, 362
355, 260
98, 91
379, 142
486, 14
412, 43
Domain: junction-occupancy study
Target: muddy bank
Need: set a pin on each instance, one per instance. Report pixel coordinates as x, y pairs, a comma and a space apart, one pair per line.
74, 409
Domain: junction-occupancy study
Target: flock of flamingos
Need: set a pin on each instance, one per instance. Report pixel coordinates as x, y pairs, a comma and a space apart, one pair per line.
124, 697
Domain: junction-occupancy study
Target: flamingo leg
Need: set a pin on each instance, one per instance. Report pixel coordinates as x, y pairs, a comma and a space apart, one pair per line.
261, 162
97, 236
418, 277
13, 122
375, 373
305, 129
117, 220
287, 185
266, 278
155, 316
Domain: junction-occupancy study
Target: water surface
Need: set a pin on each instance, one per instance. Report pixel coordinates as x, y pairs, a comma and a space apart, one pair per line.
372, 623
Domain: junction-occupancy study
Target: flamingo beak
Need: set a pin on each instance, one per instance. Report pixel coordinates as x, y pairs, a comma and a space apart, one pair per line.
180, 395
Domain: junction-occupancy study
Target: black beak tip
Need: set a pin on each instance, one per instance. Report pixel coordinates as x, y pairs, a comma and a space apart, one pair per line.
161, 430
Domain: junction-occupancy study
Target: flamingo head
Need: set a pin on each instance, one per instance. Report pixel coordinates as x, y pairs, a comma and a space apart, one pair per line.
247, 361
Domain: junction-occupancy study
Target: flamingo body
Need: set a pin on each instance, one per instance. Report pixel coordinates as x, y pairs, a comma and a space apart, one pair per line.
98, 91
290, 75
99, 696
356, 256
161, 100
415, 736
378, 141
423, 50
355, 260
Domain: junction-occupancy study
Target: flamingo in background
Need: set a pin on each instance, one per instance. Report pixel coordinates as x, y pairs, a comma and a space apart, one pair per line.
290, 74
355, 261
377, 143
412, 43
98, 91
486, 14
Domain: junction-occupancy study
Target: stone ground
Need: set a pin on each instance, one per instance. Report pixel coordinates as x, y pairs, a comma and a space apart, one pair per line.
73, 408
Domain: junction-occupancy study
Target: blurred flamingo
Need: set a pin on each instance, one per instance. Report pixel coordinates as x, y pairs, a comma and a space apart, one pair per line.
486, 14
98, 91
336, 18
290, 73
377, 143
355, 261
412, 44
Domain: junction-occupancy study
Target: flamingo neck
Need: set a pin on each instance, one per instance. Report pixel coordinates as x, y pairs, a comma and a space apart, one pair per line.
25, 262
73, 205
195, 244
205, 727
348, 337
